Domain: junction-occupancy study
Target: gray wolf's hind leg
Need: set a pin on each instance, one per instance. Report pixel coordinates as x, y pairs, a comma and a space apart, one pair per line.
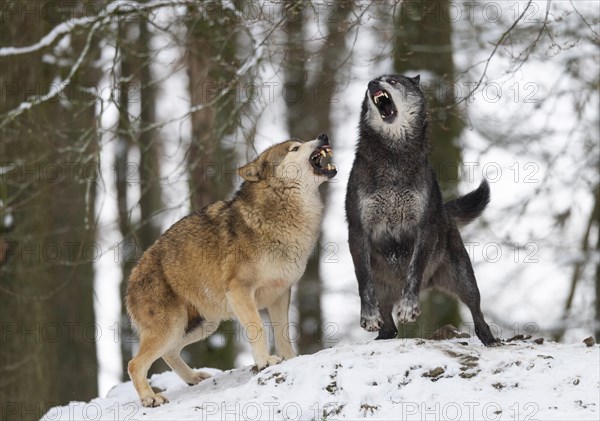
173, 357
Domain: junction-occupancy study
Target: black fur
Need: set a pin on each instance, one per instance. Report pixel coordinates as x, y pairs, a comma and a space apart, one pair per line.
469, 207
193, 324
402, 237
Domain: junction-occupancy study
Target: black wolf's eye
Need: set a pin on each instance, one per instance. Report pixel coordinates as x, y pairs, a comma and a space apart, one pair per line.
295, 148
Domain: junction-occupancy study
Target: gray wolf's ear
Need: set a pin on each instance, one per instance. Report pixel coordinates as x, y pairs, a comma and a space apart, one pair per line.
416, 79
251, 171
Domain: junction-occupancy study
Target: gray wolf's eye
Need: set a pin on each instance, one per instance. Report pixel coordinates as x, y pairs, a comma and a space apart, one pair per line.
295, 148
392, 82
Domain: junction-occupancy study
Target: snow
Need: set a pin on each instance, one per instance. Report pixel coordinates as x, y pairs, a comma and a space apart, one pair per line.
408, 379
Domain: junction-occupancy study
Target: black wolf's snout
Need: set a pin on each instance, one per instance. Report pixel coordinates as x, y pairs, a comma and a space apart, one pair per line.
382, 100
323, 138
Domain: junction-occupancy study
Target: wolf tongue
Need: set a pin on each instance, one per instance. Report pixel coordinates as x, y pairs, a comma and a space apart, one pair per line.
387, 109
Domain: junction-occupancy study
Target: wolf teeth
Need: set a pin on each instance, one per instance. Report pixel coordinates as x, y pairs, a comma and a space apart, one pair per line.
380, 94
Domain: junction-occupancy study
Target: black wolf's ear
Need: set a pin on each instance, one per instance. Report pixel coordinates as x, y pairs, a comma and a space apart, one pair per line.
251, 171
416, 79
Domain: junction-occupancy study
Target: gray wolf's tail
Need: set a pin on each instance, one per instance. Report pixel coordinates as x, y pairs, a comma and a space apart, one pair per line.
466, 208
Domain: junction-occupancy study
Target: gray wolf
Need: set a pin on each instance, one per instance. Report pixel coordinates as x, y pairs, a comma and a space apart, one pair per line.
230, 260
402, 237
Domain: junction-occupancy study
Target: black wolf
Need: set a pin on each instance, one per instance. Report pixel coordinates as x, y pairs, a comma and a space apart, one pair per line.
402, 236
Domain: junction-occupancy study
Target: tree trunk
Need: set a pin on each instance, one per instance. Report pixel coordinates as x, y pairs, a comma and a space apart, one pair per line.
579, 266
28, 363
300, 124
423, 41
597, 330
308, 115
211, 65
136, 72
127, 253
148, 142
46, 292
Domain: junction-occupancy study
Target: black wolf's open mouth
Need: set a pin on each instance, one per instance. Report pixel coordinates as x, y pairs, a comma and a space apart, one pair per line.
383, 101
321, 161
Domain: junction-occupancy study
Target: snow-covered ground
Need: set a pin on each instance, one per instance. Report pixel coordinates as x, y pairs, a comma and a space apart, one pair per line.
408, 379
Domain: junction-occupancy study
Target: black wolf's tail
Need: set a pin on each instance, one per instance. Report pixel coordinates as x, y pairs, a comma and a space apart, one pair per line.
466, 208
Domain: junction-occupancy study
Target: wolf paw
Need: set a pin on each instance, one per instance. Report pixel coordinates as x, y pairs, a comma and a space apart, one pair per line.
387, 334
490, 341
269, 361
197, 377
408, 310
154, 400
371, 322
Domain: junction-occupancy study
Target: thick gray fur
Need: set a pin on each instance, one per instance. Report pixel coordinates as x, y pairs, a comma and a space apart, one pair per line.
402, 236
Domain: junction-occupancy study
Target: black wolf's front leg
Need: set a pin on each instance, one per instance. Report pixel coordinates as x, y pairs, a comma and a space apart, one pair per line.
408, 308
370, 318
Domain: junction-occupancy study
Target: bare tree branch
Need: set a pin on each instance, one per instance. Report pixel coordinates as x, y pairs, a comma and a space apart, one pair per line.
56, 88
497, 44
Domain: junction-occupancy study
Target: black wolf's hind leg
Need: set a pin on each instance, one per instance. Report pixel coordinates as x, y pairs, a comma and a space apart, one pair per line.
456, 277
389, 330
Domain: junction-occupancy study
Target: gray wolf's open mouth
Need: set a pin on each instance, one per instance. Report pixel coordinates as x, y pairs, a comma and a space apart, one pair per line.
383, 101
321, 161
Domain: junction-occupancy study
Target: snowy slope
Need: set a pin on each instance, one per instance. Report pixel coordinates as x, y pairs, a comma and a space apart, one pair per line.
409, 379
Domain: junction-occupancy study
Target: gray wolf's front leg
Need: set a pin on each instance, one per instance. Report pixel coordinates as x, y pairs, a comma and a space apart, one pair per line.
279, 315
241, 301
